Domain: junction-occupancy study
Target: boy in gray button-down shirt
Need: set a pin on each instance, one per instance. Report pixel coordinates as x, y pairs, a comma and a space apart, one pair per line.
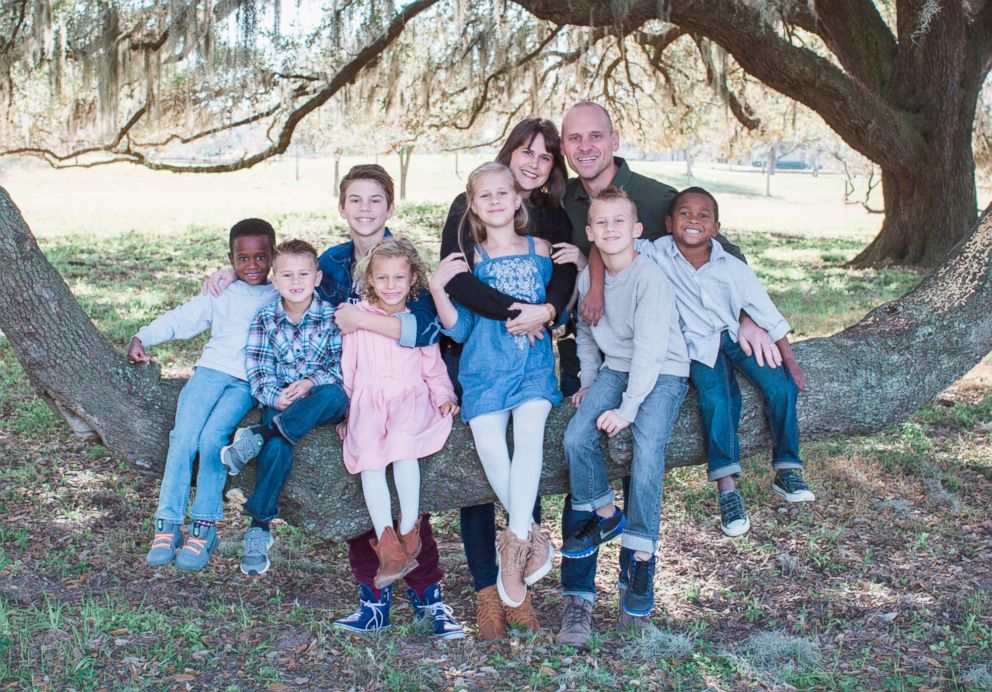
711, 290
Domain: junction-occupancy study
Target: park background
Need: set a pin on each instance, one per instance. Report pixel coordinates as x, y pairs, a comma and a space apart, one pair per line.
885, 582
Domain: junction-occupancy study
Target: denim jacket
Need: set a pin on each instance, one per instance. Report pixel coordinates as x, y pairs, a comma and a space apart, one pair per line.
420, 326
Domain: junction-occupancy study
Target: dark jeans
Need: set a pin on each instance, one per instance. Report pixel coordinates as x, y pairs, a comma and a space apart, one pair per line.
578, 577
720, 409
326, 403
364, 562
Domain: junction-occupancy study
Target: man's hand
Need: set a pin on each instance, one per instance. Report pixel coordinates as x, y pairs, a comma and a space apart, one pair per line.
579, 396
447, 269
610, 423
593, 305
348, 318
136, 352
755, 340
216, 283
449, 408
566, 253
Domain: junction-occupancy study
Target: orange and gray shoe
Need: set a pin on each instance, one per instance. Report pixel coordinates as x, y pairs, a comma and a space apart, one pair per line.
168, 536
201, 541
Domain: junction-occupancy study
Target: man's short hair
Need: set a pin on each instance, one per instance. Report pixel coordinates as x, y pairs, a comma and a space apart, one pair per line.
367, 171
250, 227
611, 194
295, 246
593, 104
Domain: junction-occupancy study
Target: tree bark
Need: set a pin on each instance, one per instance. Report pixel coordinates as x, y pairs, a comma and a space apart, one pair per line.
859, 381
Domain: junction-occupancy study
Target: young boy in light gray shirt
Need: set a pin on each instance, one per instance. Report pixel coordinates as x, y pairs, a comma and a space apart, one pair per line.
639, 381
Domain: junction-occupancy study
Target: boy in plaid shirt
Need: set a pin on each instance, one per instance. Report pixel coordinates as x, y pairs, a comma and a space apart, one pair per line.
293, 360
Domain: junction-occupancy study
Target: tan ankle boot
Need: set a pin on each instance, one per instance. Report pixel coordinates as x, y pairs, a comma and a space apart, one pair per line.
539, 559
394, 562
490, 618
513, 553
411, 540
523, 616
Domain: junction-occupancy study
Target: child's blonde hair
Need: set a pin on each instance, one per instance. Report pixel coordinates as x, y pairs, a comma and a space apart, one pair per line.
472, 219
386, 249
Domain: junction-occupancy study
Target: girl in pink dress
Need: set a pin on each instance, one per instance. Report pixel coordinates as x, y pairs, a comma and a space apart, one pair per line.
402, 404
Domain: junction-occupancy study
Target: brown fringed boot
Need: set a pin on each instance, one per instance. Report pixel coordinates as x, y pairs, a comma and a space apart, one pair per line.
394, 561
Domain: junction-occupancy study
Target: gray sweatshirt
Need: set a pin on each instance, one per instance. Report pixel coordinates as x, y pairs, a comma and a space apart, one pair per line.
638, 334
227, 317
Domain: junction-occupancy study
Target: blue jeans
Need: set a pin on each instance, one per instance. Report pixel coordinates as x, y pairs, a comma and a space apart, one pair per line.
720, 409
651, 430
210, 406
326, 403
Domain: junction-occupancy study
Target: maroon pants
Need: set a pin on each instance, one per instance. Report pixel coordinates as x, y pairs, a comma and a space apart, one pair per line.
364, 562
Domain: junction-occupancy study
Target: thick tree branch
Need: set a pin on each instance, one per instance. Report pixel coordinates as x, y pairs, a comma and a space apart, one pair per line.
857, 113
856, 34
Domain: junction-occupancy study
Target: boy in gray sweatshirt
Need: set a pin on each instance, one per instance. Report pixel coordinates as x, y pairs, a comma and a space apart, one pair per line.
640, 380
212, 402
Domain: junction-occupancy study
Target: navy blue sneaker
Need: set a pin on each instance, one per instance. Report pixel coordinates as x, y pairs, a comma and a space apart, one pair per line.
586, 540
789, 484
733, 519
433, 610
637, 598
372, 614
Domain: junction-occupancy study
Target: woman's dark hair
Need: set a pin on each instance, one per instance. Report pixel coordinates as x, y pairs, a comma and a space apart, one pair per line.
523, 134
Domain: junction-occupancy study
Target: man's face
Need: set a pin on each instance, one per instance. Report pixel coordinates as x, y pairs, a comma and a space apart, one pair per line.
588, 141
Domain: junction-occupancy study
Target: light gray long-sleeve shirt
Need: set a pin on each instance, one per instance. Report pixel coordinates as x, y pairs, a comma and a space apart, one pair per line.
226, 316
710, 299
638, 334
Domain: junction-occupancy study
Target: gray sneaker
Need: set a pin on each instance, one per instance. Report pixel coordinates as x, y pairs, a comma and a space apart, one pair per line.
255, 557
246, 446
576, 622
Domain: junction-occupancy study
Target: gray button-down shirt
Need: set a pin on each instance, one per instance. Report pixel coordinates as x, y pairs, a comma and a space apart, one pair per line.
710, 299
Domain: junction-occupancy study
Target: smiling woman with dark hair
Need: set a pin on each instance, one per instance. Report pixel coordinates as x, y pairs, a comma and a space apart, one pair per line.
532, 152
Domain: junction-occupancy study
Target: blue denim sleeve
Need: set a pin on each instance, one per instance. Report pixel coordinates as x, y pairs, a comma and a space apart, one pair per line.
463, 327
419, 327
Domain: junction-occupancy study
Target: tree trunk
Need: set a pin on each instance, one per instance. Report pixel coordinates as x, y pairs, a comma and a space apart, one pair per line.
406, 151
930, 207
859, 381
337, 174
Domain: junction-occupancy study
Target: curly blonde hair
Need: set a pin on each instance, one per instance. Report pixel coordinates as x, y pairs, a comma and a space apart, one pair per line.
389, 248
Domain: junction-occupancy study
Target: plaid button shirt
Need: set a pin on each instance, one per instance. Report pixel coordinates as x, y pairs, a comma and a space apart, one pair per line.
280, 352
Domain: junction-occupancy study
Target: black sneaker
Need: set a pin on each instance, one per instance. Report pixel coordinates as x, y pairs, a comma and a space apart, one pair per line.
586, 540
637, 598
733, 518
790, 485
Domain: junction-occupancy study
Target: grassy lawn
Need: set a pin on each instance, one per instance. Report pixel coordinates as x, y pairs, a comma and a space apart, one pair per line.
885, 582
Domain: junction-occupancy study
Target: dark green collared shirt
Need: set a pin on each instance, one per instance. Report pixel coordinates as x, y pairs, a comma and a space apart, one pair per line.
651, 197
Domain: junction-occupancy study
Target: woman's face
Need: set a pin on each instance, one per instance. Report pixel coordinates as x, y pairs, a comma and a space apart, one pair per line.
531, 165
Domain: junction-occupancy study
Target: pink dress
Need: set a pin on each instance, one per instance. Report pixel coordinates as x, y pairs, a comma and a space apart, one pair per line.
395, 393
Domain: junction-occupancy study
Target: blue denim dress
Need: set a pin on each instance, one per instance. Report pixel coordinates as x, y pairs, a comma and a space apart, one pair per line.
499, 371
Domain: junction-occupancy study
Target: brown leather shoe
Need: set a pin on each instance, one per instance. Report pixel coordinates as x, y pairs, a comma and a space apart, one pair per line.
411, 540
539, 559
523, 616
490, 618
394, 562
513, 553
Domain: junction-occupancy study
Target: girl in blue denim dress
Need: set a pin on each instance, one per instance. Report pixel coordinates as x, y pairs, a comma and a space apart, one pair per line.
504, 375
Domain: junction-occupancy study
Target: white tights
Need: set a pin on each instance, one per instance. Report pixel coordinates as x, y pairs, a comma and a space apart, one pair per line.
514, 482
406, 476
